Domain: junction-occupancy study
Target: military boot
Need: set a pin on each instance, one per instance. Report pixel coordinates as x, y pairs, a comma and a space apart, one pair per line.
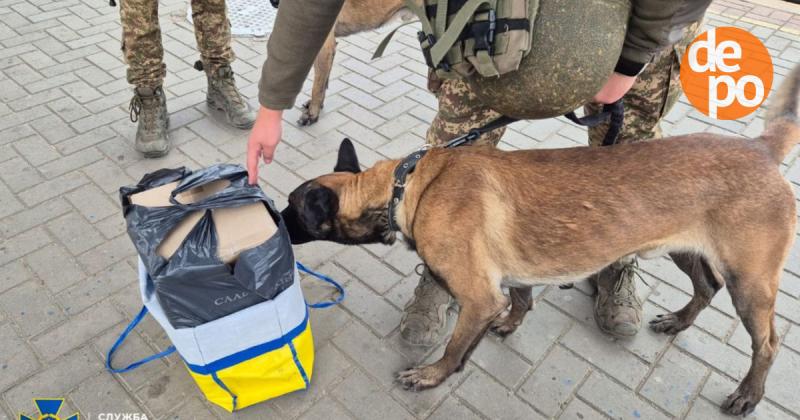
223, 95
424, 321
149, 108
617, 308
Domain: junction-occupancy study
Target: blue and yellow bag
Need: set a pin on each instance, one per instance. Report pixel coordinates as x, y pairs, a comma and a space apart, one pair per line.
240, 325
258, 353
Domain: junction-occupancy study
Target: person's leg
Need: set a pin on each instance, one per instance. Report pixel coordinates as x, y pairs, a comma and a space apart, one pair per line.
213, 33
618, 310
143, 52
424, 319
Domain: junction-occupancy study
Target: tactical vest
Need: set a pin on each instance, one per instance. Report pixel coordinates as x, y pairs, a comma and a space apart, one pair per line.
527, 59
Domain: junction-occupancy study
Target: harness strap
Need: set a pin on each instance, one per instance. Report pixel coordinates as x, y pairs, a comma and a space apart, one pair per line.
614, 113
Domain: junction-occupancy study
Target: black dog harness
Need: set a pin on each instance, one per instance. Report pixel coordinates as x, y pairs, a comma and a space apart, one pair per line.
613, 113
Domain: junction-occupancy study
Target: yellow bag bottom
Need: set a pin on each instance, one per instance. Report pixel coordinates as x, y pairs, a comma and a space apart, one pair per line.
268, 375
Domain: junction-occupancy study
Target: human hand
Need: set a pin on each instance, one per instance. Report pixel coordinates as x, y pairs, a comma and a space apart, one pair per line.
615, 88
264, 138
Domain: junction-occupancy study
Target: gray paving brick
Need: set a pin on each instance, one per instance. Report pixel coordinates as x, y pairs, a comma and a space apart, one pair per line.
75, 233
10, 203
327, 408
574, 302
452, 408
552, 384
17, 360
70, 163
102, 394
367, 268
365, 398
54, 267
22, 244
616, 401
77, 330
58, 378
96, 288
68, 109
134, 348
12, 274
704, 346
52, 188
36, 150
674, 382
27, 219
369, 352
492, 399
604, 352
333, 366
166, 391
500, 361
106, 254
18, 174
194, 408
541, 328
92, 203
781, 382
577, 409
365, 304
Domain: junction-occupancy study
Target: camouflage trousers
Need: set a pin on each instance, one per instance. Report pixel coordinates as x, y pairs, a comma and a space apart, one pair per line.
141, 39
652, 96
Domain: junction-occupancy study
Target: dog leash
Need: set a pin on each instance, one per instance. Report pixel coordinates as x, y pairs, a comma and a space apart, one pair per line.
613, 113
171, 349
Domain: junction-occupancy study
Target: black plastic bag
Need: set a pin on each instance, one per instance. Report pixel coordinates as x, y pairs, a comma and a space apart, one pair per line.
194, 285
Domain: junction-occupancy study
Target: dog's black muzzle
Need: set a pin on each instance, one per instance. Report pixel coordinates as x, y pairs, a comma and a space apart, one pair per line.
297, 233
274, 3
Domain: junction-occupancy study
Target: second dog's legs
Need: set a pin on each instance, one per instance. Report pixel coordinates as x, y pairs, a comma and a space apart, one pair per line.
322, 71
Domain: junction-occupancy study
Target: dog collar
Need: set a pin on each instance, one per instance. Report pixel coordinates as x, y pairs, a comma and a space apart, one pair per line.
402, 171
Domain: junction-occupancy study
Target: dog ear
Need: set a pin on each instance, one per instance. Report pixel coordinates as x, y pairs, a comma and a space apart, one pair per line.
319, 210
347, 161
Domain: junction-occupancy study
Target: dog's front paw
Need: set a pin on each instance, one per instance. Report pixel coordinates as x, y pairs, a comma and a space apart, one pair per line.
308, 117
421, 377
742, 402
669, 324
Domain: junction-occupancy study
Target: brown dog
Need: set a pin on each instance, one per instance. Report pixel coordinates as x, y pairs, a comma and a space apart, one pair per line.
356, 16
481, 218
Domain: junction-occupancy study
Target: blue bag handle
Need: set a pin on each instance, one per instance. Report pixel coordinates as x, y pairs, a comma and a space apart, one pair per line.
326, 279
171, 349
136, 320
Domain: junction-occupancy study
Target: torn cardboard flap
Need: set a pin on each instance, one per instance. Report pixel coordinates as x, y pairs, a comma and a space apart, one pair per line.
238, 228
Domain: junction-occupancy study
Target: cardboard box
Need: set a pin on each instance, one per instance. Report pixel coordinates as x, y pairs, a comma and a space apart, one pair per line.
238, 228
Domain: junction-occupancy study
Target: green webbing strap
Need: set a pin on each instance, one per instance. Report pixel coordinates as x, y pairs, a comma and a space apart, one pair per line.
419, 10
441, 18
484, 64
453, 32
385, 42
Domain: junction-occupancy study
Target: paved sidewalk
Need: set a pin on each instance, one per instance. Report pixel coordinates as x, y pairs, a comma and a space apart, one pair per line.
67, 277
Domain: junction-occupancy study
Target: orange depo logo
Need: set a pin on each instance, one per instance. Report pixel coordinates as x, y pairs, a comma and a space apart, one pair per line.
726, 73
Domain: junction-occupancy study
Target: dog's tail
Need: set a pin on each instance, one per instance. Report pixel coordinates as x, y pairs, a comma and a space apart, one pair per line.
783, 117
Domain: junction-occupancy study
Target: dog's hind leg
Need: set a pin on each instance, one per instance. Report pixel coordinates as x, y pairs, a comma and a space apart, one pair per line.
322, 71
705, 282
521, 303
480, 304
754, 300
